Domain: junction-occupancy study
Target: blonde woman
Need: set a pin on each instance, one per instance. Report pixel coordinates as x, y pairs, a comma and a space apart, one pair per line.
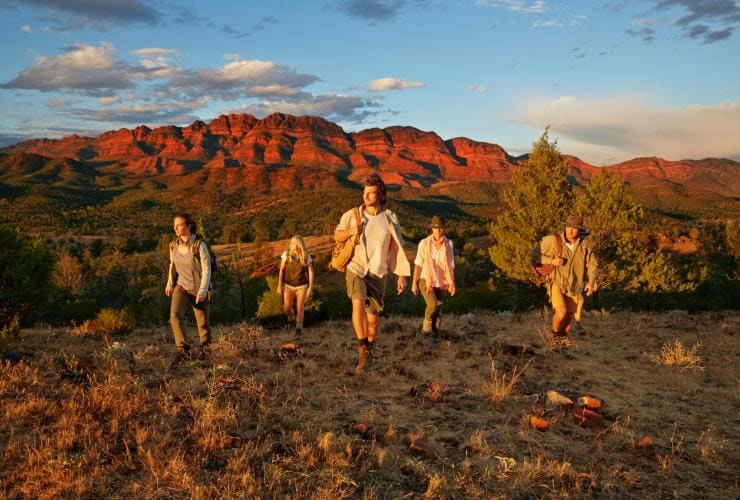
295, 281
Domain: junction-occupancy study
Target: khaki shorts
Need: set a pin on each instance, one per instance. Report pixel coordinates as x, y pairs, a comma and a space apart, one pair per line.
371, 289
559, 299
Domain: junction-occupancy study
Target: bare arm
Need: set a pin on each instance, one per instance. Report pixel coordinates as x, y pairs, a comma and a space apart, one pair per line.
310, 278
281, 275
415, 280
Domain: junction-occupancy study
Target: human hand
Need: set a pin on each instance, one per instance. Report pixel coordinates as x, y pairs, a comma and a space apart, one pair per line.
452, 289
401, 285
415, 287
591, 288
280, 289
168, 291
200, 298
558, 261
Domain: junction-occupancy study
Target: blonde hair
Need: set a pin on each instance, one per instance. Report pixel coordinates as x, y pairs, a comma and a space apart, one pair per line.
300, 245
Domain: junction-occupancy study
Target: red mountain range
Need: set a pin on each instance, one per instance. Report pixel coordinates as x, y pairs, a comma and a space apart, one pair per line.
283, 151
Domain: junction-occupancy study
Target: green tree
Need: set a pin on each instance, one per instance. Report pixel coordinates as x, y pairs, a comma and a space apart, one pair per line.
613, 218
25, 277
537, 202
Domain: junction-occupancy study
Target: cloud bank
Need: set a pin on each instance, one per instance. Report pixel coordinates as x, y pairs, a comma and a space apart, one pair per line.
612, 129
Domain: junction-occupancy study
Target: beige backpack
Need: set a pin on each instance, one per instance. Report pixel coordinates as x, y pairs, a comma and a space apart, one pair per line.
342, 252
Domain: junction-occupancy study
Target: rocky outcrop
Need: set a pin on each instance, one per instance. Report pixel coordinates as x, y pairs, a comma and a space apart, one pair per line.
284, 151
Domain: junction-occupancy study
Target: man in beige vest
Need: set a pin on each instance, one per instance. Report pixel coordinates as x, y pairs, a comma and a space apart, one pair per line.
574, 274
378, 253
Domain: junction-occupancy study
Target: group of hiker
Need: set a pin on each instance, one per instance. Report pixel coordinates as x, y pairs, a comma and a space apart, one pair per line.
369, 237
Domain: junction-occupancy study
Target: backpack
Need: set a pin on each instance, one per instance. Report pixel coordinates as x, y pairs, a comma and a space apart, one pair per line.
196, 253
343, 251
541, 271
214, 262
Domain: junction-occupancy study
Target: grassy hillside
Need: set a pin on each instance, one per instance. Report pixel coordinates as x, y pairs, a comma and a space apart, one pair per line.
108, 417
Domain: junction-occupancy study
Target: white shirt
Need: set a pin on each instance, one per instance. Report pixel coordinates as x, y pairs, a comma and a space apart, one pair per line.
376, 237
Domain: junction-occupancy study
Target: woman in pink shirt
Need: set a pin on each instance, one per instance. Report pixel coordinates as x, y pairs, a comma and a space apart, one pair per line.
434, 274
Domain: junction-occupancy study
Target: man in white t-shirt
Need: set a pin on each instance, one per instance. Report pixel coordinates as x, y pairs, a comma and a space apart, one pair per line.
378, 252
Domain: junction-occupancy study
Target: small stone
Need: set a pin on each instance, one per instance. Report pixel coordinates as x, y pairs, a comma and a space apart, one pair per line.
538, 423
588, 418
590, 403
554, 398
645, 442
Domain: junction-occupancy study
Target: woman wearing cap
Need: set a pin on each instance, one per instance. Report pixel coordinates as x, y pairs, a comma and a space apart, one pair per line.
295, 281
434, 274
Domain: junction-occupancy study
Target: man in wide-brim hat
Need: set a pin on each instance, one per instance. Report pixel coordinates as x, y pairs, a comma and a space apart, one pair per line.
575, 270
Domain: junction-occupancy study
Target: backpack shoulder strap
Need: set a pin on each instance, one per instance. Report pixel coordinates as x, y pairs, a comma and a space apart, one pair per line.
559, 244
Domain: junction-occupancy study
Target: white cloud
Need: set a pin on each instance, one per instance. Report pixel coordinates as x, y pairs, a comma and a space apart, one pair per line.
108, 100
150, 113
612, 129
80, 67
477, 88
536, 7
563, 100
389, 83
347, 108
58, 103
153, 52
549, 23
232, 57
26, 29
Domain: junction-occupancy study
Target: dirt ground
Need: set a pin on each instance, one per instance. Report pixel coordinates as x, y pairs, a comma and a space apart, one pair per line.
436, 417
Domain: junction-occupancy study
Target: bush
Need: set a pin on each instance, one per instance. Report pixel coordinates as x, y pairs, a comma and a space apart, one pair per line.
25, 272
113, 322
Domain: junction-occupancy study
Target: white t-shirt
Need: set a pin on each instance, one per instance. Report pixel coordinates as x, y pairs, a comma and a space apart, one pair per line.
376, 237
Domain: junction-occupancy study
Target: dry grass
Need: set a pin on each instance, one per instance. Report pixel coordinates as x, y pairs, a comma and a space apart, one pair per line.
679, 356
87, 417
498, 387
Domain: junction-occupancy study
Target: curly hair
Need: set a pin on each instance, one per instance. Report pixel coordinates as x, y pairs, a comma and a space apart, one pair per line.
375, 180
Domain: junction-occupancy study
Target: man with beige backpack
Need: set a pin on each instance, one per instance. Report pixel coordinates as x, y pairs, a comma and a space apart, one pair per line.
378, 250
569, 265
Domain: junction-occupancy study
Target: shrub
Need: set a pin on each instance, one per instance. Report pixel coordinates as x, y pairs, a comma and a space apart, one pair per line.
113, 322
679, 356
25, 271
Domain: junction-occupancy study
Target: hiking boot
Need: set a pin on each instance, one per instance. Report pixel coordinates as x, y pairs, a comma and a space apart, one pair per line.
363, 358
180, 356
203, 352
426, 327
437, 325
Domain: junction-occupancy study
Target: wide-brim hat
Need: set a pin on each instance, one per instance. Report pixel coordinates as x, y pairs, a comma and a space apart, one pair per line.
574, 221
438, 222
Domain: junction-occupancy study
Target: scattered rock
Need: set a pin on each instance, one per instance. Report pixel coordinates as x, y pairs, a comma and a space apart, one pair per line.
645, 442
289, 347
554, 398
368, 431
591, 403
588, 418
538, 423
420, 446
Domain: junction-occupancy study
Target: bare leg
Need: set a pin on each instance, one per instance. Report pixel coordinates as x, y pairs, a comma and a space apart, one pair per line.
372, 326
300, 302
359, 318
561, 320
288, 297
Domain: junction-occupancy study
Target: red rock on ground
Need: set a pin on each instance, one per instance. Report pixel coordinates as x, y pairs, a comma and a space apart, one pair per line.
588, 418
538, 423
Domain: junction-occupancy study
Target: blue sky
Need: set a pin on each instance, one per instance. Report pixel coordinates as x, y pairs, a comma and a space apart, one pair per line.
614, 79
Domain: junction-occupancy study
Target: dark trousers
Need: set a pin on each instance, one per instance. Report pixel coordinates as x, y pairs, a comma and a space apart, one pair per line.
434, 300
181, 300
